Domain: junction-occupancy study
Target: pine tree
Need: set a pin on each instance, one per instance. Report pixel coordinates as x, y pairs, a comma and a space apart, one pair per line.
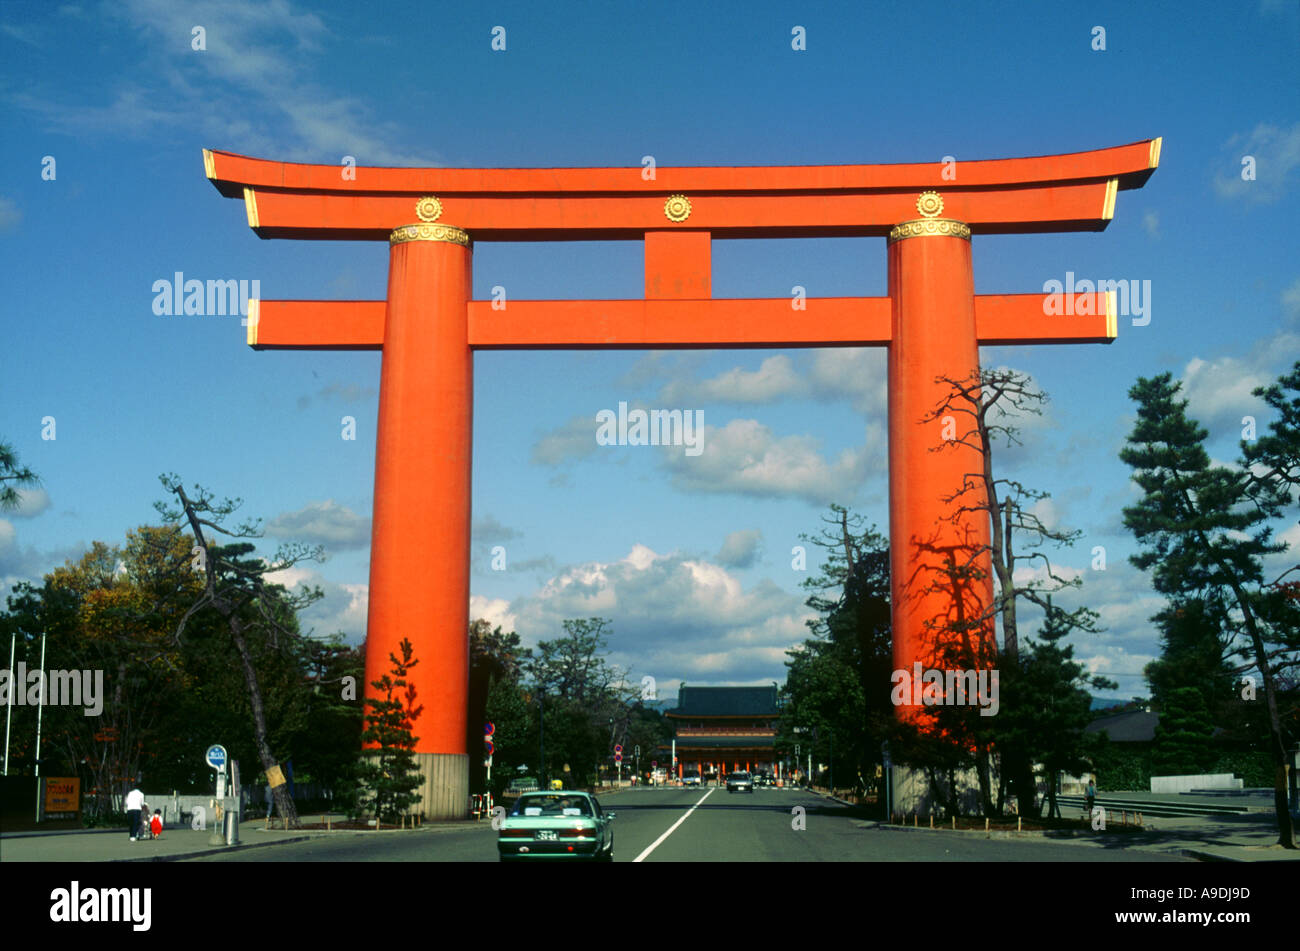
388, 773
1204, 534
1182, 741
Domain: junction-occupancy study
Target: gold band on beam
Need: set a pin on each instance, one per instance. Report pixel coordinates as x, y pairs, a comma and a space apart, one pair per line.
429, 232
250, 206
926, 227
254, 314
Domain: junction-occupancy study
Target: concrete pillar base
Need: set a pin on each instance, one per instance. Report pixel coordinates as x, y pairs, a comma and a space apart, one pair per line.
444, 790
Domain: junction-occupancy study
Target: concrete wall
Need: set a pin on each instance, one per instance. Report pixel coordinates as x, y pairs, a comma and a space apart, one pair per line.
1178, 784
912, 792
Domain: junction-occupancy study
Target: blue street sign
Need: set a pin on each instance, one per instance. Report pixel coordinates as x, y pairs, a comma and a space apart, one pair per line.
216, 756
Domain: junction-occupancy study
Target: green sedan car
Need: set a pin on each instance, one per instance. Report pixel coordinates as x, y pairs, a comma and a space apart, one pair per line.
556, 825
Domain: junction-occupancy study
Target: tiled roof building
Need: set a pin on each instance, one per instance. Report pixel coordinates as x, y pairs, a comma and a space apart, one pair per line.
720, 730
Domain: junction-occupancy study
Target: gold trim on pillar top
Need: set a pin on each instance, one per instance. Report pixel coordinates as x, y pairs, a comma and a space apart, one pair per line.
429, 232
926, 227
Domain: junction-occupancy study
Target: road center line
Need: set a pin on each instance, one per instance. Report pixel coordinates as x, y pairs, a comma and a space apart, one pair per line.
672, 828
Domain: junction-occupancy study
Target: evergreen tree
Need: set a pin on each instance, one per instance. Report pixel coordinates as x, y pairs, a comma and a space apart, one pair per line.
1204, 533
1182, 741
11, 471
838, 680
388, 775
1046, 704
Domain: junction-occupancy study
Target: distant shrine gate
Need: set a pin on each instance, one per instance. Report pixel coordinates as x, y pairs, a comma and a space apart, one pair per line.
428, 328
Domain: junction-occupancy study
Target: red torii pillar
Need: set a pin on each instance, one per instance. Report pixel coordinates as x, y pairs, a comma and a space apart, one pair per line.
423, 440
933, 331
932, 323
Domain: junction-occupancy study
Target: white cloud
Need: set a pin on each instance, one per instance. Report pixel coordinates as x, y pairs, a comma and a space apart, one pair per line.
774, 379
673, 617
496, 611
840, 374
747, 458
322, 523
342, 609
31, 502
1276, 152
576, 439
253, 76
859, 376
740, 549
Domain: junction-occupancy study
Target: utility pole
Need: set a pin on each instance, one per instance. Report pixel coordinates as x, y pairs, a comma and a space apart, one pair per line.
9, 712
39, 710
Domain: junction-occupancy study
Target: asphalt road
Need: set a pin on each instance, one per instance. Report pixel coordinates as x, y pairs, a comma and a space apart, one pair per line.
658, 825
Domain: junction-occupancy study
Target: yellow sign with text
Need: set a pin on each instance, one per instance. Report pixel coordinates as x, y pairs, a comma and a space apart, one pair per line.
62, 794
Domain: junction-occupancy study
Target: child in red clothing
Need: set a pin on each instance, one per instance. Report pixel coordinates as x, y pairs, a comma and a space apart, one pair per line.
155, 824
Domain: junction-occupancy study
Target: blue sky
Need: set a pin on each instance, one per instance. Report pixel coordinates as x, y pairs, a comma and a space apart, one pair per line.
690, 557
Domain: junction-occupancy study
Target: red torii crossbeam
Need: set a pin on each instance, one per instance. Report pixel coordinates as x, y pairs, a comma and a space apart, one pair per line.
932, 323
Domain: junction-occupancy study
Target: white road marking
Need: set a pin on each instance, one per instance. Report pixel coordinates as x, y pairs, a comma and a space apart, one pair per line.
671, 829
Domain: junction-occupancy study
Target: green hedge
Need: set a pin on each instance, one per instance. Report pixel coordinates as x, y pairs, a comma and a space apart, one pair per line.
1255, 768
1121, 769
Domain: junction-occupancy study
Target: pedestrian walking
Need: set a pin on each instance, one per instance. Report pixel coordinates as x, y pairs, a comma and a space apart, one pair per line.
156, 825
1090, 793
134, 805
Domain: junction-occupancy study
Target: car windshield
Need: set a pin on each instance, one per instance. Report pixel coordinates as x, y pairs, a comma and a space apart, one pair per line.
552, 805
740, 775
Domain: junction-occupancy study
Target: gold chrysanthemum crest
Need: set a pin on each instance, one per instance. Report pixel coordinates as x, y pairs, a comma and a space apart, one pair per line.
428, 208
677, 208
930, 204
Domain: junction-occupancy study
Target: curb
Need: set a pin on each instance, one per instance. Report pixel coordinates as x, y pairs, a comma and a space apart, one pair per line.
991, 834
211, 850
49, 832
1203, 856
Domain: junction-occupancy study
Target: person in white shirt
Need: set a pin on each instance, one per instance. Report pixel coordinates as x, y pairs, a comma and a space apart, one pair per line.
134, 804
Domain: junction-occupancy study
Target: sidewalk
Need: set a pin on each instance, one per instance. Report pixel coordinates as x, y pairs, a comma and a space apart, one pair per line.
1245, 838
98, 845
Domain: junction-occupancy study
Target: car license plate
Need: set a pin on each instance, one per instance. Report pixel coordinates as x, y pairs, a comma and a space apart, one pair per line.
545, 836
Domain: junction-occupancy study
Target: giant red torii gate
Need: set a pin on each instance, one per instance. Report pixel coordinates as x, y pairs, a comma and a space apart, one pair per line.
428, 327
